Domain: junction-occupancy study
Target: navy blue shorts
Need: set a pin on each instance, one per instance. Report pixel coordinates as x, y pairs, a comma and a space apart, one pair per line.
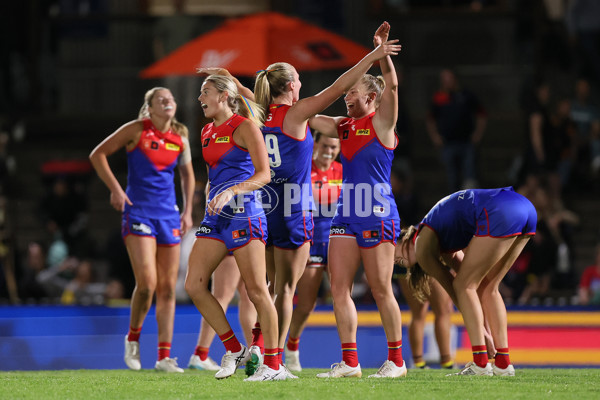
290, 231
234, 233
166, 231
369, 234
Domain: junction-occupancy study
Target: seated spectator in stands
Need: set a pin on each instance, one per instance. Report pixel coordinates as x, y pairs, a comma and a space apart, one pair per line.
83, 288
64, 210
29, 288
586, 117
589, 286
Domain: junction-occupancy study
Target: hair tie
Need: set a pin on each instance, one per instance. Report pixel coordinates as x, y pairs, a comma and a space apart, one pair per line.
247, 105
266, 71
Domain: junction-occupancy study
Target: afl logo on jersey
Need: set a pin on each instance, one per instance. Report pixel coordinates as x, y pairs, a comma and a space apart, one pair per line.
222, 139
363, 132
345, 134
206, 141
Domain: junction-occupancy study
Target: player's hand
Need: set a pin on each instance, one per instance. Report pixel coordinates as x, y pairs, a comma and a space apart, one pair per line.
387, 48
186, 223
382, 33
212, 71
118, 200
219, 201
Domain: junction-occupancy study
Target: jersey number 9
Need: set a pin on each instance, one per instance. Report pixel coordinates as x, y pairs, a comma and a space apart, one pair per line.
273, 150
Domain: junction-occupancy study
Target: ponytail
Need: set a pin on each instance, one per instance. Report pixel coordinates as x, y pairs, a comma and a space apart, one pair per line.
272, 82
249, 109
416, 277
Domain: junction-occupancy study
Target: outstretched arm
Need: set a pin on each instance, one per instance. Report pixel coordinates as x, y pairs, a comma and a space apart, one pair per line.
387, 112
324, 124
310, 106
243, 90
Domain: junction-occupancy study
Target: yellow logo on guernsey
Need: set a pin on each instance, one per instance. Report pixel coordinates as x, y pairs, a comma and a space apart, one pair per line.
172, 147
335, 182
363, 132
222, 139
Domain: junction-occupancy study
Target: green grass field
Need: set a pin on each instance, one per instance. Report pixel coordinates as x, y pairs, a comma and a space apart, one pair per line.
419, 384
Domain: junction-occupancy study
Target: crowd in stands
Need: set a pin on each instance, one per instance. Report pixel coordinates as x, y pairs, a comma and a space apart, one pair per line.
560, 159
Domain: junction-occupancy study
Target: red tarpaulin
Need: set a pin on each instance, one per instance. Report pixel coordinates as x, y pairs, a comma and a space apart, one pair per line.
246, 45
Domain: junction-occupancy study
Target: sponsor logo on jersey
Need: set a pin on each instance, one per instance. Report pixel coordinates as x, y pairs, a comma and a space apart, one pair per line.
337, 230
363, 132
370, 234
345, 134
206, 141
142, 228
335, 181
222, 139
378, 209
239, 233
203, 230
172, 147
316, 259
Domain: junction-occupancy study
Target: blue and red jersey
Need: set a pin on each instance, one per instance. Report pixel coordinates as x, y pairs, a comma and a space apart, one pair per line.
151, 168
326, 190
366, 194
290, 161
480, 212
228, 165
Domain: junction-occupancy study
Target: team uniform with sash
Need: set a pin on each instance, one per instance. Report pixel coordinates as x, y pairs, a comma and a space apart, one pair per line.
150, 187
326, 190
243, 218
480, 212
287, 200
366, 208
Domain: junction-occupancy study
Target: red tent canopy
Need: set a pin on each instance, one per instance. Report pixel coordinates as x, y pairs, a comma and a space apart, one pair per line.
246, 45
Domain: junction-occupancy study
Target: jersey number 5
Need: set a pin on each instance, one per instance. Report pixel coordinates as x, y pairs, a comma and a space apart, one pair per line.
273, 150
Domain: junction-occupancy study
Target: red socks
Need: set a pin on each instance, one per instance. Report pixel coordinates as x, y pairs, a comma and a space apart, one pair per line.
134, 334
164, 350
395, 352
350, 354
201, 352
272, 358
480, 356
502, 360
230, 342
257, 337
293, 343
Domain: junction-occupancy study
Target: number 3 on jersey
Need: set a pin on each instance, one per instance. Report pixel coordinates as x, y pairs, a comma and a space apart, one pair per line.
273, 150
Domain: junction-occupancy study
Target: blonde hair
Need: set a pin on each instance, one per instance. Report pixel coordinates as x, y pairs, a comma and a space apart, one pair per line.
417, 279
144, 113
235, 101
374, 84
272, 82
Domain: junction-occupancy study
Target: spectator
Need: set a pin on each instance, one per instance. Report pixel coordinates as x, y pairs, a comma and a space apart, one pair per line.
589, 286
586, 117
456, 123
83, 288
35, 262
